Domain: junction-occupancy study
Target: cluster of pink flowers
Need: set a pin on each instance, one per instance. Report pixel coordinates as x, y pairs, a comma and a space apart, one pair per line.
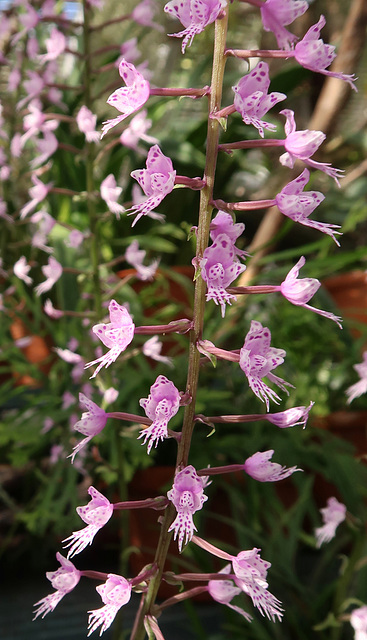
217, 264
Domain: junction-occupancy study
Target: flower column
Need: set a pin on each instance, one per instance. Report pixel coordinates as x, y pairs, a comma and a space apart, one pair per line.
205, 211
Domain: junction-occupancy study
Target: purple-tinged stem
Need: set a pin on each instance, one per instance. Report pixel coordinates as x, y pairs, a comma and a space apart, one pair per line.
261, 288
65, 87
192, 183
94, 575
160, 502
179, 597
130, 417
69, 147
145, 575
203, 577
250, 205
223, 113
98, 27
59, 116
217, 471
179, 92
153, 626
64, 192
251, 144
177, 326
215, 551
259, 53
65, 22
234, 419
205, 345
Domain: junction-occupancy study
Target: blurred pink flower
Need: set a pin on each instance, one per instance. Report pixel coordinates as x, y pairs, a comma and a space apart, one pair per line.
52, 271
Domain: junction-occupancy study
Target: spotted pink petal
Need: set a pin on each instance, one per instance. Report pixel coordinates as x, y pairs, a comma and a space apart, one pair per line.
127, 99
258, 467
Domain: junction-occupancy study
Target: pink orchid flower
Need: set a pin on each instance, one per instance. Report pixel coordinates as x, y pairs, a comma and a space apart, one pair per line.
195, 15
252, 100
258, 359
92, 422
300, 290
302, 145
95, 514
161, 405
63, 580
360, 387
127, 99
187, 495
52, 271
219, 268
298, 205
115, 593
258, 467
21, 269
86, 121
110, 193
332, 516
116, 335
275, 14
157, 180
313, 54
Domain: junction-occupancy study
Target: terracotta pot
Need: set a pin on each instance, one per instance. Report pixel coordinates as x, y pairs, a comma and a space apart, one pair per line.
37, 350
349, 292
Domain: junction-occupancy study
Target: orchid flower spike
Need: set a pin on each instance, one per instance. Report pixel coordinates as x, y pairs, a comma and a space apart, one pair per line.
187, 495
258, 467
302, 145
115, 592
257, 359
219, 268
252, 100
275, 14
300, 291
195, 15
127, 99
91, 423
298, 205
332, 515
251, 572
161, 405
116, 335
313, 54
95, 514
63, 580
224, 591
157, 180
360, 387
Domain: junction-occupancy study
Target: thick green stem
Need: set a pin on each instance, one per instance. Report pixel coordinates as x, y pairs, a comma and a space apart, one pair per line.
205, 211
